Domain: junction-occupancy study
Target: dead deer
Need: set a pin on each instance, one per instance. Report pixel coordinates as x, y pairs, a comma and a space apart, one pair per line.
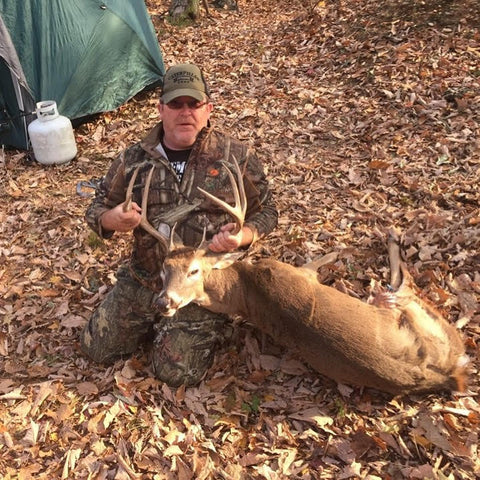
398, 345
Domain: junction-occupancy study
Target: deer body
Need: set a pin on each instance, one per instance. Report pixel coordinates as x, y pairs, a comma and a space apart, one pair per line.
398, 345
396, 350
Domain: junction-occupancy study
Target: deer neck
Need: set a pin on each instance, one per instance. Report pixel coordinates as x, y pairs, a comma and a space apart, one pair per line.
225, 290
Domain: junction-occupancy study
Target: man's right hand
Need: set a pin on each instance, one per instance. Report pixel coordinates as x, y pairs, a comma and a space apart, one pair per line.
119, 220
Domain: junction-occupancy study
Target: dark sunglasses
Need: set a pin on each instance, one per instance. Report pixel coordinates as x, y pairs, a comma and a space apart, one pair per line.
191, 104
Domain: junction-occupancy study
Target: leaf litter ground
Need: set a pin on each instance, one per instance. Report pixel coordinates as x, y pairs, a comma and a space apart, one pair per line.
367, 116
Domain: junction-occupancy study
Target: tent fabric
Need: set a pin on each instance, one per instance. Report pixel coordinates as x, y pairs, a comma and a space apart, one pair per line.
15, 98
89, 56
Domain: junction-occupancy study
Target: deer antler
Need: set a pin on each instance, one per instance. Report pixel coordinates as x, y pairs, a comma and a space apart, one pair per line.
240, 209
144, 223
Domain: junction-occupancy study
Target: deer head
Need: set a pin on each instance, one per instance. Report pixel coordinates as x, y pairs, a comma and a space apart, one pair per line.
185, 269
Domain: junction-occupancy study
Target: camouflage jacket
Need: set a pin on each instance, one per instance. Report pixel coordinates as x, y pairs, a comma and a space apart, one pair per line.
172, 201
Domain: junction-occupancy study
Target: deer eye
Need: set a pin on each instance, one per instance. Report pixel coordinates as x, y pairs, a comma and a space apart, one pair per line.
193, 272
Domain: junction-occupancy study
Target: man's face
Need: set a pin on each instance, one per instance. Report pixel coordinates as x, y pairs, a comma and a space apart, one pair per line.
183, 118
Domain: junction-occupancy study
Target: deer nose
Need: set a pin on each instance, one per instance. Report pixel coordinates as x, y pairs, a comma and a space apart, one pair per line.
164, 303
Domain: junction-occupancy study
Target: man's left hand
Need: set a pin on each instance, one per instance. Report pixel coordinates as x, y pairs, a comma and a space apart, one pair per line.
225, 241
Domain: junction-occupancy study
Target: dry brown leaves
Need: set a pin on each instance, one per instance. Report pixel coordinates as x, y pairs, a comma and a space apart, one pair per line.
367, 115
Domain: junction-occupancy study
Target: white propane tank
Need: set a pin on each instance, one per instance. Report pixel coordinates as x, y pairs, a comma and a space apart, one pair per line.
51, 135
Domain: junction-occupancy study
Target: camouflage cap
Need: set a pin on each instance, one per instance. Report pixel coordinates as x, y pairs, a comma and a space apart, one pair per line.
184, 80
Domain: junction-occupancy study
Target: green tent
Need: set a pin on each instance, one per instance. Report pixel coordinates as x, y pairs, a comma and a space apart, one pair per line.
89, 56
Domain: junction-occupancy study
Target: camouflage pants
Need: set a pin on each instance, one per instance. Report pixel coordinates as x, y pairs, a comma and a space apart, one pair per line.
183, 346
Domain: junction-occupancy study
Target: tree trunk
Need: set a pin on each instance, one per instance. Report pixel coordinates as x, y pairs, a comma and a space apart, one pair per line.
183, 12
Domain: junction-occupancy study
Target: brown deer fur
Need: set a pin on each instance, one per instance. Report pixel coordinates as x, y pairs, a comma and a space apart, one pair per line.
402, 349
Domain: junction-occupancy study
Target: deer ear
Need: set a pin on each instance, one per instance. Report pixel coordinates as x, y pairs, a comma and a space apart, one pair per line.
224, 260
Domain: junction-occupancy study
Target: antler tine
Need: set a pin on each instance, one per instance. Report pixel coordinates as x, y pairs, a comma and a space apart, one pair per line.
144, 223
203, 244
171, 239
240, 209
239, 192
127, 206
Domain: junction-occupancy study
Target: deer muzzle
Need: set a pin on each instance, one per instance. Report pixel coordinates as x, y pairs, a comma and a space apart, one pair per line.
166, 305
